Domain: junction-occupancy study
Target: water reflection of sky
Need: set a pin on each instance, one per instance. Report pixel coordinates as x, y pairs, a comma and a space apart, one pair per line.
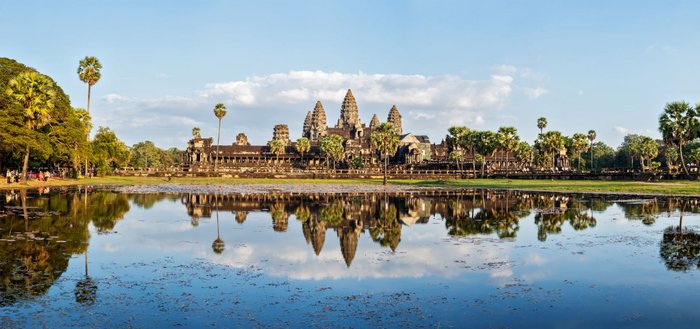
155, 259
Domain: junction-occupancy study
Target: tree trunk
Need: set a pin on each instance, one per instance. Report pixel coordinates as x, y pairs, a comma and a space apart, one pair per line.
218, 141
507, 172
88, 133
680, 151
579, 162
386, 160
591, 157
25, 165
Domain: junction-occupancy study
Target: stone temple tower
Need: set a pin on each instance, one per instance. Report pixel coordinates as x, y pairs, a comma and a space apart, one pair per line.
349, 115
395, 119
307, 125
318, 123
374, 124
281, 133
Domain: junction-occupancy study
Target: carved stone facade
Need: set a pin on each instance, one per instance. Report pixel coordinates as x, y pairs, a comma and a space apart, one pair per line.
374, 124
242, 140
395, 118
281, 133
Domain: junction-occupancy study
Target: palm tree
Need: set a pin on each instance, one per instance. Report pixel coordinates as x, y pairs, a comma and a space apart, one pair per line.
507, 141
196, 132
679, 124
276, 147
579, 144
332, 146
386, 140
591, 137
218, 245
302, 146
89, 72
220, 113
35, 93
541, 123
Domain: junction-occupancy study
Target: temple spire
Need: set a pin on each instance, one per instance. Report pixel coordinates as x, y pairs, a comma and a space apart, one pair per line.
318, 122
374, 124
395, 119
349, 115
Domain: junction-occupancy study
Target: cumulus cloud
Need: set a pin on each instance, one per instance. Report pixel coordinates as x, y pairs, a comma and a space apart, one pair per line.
429, 104
535, 93
622, 130
114, 98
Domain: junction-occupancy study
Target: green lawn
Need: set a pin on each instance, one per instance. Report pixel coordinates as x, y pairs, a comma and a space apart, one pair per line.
667, 187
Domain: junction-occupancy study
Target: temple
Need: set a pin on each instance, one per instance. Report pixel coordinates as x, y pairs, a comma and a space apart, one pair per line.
415, 151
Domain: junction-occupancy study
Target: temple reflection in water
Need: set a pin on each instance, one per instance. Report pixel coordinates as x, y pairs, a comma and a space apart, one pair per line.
40, 233
477, 212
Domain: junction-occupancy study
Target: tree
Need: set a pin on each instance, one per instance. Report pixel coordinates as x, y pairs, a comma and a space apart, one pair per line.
67, 133
552, 143
579, 144
541, 123
485, 144
220, 113
458, 139
108, 151
604, 155
196, 132
89, 72
386, 141
332, 147
35, 93
679, 124
524, 152
630, 148
276, 147
648, 150
146, 155
302, 146
591, 137
507, 141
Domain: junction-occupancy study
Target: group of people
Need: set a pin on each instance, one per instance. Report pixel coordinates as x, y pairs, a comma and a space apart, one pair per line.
16, 175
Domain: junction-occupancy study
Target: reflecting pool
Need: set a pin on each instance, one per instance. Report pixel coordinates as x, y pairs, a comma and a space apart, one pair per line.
477, 258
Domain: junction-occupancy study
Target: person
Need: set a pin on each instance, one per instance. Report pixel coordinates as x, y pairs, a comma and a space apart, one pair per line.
40, 176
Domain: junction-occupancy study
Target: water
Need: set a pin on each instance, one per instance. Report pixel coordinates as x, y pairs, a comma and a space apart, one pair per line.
477, 259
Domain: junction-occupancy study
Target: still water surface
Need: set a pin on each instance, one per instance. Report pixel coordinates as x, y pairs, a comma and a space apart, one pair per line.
477, 259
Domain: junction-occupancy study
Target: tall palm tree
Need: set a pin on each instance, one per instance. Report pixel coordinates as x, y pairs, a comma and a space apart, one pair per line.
591, 137
218, 245
35, 93
386, 140
220, 113
89, 72
679, 124
541, 123
507, 141
579, 144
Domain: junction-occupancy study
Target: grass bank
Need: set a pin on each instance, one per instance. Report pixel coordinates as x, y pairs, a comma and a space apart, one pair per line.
666, 188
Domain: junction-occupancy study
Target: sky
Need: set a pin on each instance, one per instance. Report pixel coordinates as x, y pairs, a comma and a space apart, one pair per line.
610, 66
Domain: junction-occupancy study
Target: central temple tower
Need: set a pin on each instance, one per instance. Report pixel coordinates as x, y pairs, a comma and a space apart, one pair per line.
349, 115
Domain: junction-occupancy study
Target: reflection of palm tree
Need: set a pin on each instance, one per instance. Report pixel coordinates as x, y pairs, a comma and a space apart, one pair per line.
86, 289
680, 247
218, 245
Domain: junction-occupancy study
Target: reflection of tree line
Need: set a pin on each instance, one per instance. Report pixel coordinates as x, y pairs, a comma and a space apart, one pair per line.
41, 233
480, 212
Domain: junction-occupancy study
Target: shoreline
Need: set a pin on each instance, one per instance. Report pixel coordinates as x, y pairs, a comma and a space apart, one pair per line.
187, 185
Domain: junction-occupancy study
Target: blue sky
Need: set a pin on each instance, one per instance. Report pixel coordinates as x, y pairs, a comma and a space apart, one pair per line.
604, 65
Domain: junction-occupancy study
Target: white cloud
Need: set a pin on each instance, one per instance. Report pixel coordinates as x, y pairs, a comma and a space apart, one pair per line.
114, 98
535, 93
622, 130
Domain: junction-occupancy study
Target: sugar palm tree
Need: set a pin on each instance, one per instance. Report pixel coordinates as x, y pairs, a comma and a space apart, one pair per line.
579, 144
679, 124
507, 141
542, 123
302, 146
35, 93
89, 72
386, 141
276, 147
591, 137
220, 113
218, 245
